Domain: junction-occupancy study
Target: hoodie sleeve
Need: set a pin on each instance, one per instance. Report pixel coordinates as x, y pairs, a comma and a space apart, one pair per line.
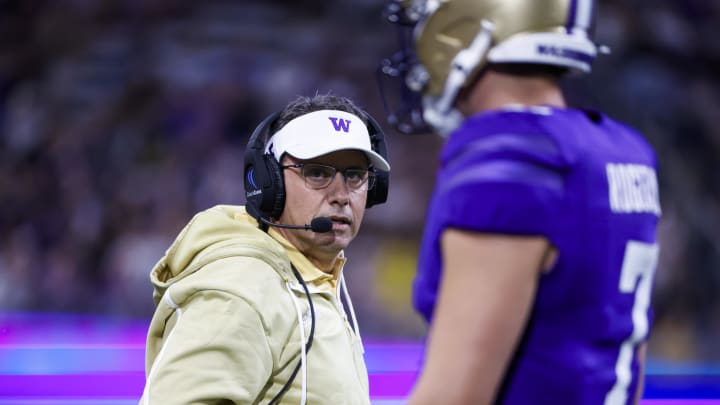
217, 350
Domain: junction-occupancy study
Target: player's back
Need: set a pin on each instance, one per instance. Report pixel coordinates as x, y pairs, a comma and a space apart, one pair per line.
588, 184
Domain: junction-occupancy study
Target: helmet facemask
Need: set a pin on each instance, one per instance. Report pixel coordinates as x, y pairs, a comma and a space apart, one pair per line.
401, 77
451, 41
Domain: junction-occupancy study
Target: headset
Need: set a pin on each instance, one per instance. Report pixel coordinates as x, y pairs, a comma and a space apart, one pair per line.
264, 178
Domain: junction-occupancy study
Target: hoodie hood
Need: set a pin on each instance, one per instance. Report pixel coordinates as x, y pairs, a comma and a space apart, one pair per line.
219, 232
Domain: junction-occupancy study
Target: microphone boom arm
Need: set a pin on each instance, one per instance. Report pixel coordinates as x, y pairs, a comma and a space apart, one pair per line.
317, 225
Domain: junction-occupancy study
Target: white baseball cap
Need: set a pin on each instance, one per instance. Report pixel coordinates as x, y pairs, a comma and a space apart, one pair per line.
321, 132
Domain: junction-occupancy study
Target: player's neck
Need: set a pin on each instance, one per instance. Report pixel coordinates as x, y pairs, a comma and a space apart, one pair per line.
496, 90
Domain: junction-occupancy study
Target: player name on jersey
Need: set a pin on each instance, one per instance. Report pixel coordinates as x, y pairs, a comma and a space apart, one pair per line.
633, 188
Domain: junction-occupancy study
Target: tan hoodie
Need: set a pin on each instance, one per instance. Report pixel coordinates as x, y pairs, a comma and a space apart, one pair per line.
226, 327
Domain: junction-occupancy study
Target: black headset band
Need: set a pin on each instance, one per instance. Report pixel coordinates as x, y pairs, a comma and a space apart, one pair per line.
264, 178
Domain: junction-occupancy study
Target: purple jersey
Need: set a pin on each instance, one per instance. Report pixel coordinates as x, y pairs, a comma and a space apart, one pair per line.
588, 184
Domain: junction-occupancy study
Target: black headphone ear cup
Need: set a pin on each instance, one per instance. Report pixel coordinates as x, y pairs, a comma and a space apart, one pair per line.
256, 183
378, 194
276, 201
263, 180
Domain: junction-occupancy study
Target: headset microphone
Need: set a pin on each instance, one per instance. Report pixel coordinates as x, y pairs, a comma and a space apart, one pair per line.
317, 225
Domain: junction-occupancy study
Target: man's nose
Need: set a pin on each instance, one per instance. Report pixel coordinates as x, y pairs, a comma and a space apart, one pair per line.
339, 188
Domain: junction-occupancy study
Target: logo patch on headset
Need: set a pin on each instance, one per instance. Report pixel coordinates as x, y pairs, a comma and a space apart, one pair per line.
340, 124
250, 179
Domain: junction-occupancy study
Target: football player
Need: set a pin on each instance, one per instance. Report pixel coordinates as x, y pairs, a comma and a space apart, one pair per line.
539, 249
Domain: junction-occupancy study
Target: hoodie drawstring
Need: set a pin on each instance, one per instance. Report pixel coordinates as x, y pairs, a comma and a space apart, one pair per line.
343, 287
303, 351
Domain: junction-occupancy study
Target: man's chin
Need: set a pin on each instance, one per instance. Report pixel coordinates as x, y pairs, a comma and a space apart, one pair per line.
334, 240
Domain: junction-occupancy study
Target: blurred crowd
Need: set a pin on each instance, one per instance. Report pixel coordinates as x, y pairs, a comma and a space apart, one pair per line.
119, 119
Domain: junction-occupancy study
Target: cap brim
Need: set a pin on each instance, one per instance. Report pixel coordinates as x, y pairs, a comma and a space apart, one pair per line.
376, 160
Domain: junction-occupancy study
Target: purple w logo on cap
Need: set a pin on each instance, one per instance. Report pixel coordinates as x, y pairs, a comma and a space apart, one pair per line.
340, 124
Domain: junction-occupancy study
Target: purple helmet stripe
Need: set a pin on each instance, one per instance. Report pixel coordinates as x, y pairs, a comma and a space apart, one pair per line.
579, 15
570, 24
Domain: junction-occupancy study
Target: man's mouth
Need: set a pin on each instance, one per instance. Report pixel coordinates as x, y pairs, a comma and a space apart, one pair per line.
340, 220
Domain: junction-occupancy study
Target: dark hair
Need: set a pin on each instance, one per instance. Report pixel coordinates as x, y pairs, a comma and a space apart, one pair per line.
304, 104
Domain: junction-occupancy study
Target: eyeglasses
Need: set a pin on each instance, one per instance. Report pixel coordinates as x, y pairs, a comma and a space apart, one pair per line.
319, 176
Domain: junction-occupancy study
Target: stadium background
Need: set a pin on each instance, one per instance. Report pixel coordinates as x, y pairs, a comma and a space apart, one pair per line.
119, 119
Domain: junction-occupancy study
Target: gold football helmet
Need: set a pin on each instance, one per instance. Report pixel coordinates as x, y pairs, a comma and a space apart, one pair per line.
448, 42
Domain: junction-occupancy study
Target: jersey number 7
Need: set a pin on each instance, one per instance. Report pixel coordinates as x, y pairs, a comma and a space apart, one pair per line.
639, 262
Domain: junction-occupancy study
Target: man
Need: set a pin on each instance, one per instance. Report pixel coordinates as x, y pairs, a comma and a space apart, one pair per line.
248, 298
539, 249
